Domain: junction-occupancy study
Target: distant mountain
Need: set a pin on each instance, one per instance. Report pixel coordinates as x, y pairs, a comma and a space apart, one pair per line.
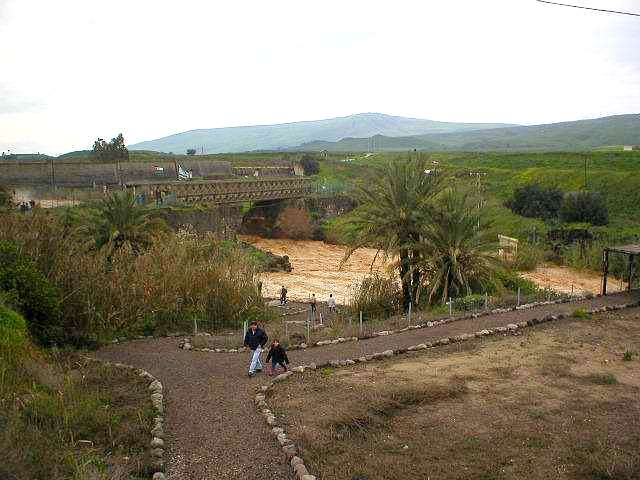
577, 135
287, 135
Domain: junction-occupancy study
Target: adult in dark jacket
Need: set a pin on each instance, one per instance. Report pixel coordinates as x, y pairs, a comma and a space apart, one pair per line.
255, 339
278, 355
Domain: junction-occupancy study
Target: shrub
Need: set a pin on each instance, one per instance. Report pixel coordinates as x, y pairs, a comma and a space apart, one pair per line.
127, 293
585, 207
310, 165
528, 258
629, 356
512, 281
13, 331
6, 197
603, 378
580, 313
27, 290
375, 297
536, 202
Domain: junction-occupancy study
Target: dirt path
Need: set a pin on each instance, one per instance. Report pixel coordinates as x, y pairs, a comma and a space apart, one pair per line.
213, 428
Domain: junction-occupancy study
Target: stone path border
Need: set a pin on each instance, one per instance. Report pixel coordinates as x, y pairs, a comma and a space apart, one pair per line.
156, 446
289, 448
186, 343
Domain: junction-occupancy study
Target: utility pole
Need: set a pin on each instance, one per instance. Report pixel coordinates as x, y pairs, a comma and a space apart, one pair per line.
585, 172
478, 175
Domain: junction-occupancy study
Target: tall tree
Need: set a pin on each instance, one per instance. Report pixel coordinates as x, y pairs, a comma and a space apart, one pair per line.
457, 257
112, 151
392, 208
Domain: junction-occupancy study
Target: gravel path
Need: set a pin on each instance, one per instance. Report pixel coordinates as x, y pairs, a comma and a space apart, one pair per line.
213, 429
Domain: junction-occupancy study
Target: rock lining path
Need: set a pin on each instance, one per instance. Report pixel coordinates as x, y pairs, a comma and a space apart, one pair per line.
212, 427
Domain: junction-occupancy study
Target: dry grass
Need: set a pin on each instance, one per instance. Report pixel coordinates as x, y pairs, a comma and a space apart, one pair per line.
179, 278
64, 418
557, 402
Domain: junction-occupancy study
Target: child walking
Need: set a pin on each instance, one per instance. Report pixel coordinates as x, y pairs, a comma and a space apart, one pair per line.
278, 356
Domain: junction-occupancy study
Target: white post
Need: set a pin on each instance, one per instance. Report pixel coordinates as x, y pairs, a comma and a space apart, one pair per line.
450, 307
360, 322
518, 301
195, 326
409, 315
486, 300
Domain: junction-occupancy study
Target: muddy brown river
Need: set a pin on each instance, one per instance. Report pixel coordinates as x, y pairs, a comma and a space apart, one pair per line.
317, 269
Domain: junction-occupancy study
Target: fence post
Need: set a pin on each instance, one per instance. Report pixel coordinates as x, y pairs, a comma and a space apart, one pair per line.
195, 326
309, 332
450, 307
518, 301
360, 322
244, 329
409, 315
486, 301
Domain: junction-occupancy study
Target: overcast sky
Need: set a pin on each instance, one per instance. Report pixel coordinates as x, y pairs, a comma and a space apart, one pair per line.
73, 70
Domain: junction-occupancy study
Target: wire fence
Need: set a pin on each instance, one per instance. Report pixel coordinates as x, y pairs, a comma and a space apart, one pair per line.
301, 324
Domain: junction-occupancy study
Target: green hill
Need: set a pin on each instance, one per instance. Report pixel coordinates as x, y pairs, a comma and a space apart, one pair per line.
287, 135
567, 136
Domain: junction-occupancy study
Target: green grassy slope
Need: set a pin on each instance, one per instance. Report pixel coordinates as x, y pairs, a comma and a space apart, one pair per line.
566, 136
615, 175
264, 137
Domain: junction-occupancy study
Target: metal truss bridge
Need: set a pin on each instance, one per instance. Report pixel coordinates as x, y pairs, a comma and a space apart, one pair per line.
231, 190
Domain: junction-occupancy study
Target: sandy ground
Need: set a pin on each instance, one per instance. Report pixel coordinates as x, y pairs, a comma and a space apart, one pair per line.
316, 269
568, 280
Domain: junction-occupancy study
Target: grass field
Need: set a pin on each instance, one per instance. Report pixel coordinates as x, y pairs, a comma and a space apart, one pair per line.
559, 401
614, 175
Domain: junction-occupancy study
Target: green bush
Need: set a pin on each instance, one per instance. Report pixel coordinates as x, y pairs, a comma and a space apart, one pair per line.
580, 313
29, 292
511, 281
375, 297
528, 258
587, 207
535, 201
13, 331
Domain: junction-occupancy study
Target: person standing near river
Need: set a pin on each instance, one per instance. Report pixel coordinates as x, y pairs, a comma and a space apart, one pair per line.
314, 306
255, 339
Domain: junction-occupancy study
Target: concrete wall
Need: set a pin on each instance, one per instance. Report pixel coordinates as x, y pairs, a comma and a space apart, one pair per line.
76, 174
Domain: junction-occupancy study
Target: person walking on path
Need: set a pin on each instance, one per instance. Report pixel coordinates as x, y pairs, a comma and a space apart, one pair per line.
314, 306
283, 295
278, 356
331, 303
255, 339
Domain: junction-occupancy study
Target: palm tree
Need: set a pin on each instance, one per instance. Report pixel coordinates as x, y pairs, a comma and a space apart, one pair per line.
457, 254
120, 221
390, 215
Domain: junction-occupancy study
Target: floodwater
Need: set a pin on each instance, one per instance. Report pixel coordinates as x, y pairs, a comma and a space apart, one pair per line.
316, 269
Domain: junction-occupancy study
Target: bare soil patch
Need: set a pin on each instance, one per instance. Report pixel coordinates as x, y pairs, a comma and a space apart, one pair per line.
557, 401
570, 280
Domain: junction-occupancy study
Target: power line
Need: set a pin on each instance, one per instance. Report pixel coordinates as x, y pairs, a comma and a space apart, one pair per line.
589, 8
